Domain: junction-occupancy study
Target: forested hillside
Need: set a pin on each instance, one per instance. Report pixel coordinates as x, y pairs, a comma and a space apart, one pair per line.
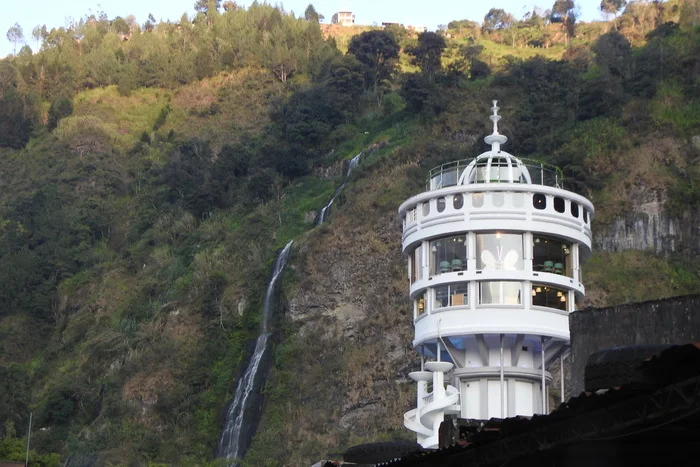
150, 172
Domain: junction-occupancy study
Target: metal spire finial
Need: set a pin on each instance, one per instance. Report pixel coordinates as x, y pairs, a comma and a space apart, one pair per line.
495, 139
495, 117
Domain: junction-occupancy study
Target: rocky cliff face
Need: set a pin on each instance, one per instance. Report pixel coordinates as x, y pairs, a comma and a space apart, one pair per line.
648, 226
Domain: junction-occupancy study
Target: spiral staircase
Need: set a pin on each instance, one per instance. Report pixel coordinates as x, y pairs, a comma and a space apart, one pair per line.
432, 406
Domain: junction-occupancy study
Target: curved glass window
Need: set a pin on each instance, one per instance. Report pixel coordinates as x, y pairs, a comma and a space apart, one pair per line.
450, 295
420, 305
448, 254
499, 293
499, 251
552, 255
426, 208
549, 297
441, 204
416, 264
477, 200
559, 204
458, 201
585, 215
574, 209
539, 201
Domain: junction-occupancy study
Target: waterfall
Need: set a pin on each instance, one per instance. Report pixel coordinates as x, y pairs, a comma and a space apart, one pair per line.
324, 212
242, 414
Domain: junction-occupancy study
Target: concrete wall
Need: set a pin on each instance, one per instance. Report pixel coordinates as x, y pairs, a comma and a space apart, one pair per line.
669, 321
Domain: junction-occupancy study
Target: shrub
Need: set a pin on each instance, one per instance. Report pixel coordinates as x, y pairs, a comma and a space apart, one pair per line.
61, 107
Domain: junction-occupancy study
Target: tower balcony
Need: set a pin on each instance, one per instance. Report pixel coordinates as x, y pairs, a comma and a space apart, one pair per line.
511, 207
494, 170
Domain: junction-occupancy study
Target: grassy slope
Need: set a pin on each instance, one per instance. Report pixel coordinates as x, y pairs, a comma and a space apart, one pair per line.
143, 325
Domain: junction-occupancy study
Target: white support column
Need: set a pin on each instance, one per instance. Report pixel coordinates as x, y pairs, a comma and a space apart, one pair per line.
561, 375
503, 394
527, 251
544, 382
527, 293
425, 255
575, 263
571, 301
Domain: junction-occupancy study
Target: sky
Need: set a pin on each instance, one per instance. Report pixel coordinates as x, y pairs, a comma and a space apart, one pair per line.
430, 13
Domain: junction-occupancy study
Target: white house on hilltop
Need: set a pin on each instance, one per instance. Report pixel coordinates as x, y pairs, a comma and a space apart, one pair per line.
346, 18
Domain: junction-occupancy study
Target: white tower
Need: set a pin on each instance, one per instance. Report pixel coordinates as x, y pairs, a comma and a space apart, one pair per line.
494, 247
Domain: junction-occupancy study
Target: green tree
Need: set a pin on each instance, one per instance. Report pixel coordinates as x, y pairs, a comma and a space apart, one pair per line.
16, 112
207, 6
346, 84
496, 19
564, 12
120, 26
16, 36
476, 67
150, 23
428, 53
418, 91
203, 63
377, 51
310, 14
613, 54
690, 13
60, 108
38, 33
612, 7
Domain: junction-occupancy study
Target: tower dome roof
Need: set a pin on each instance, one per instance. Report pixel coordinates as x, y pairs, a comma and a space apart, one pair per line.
495, 165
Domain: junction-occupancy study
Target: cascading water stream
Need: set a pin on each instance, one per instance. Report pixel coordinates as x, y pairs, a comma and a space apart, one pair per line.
324, 212
240, 417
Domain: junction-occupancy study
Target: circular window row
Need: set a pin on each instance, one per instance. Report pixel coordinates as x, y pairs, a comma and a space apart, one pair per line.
539, 201
490, 293
457, 203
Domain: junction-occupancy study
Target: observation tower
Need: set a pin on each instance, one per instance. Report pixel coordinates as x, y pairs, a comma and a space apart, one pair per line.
494, 248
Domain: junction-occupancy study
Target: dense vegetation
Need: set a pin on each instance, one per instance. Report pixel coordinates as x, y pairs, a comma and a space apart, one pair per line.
150, 172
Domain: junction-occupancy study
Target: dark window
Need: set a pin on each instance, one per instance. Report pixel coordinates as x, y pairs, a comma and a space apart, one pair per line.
458, 201
549, 297
448, 254
559, 204
552, 255
574, 209
585, 215
539, 201
441, 204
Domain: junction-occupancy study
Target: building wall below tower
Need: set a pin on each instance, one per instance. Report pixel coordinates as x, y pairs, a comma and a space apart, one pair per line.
669, 321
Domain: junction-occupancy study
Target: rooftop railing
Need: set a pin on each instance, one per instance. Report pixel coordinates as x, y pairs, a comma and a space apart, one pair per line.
500, 171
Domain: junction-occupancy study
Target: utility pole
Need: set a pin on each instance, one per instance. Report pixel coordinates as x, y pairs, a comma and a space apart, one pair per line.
29, 435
